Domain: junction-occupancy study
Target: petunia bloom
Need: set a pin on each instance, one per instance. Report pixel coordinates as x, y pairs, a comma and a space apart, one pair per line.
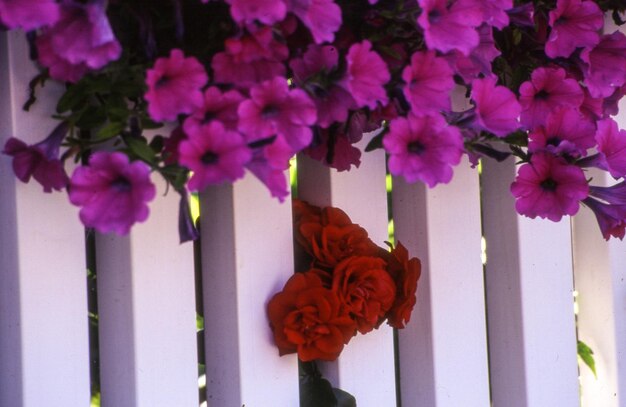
548, 187
367, 74
497, 109
605, 68
321, 17
264, 11
214, 155
28, 14
611, 218
575, 23
40, 161
112, 192
174, 86
217, 106
429, 81
566, 132
423, 148
611, 147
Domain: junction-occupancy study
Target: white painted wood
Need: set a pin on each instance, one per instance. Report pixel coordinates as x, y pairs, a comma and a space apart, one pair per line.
44, 353
600, 280
247, 256
365, 368
529, 280
146, 303
443, 350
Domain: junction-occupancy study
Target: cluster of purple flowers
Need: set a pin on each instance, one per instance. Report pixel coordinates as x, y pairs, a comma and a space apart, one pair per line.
288, 76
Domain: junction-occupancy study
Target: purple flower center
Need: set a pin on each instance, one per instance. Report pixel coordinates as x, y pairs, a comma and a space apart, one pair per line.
269, 111
434, 16
415, 147
553, 141
162, 81
208, 116
209, 158
121, 184
541, 95
548, 185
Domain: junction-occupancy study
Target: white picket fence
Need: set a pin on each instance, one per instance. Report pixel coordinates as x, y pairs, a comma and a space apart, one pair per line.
503, 334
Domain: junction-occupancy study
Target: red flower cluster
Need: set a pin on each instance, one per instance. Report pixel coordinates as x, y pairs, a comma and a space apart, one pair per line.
351, 285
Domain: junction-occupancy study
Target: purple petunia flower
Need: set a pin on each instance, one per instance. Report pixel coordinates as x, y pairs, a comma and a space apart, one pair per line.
321, 17
497, 109
366, 76
548, 187
547, 89
112, 192
478, 62
611, 147
40, 161
450, 25
494, 11
174, 86
423, 148
566, 132
59, 68
615, 194
429, 81
605, 65
217, 106
271, 176
611, 218
264, 11
214, 155
575, 24
28, 14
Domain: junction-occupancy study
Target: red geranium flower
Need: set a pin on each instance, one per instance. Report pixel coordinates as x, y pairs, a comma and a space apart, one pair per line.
405, 272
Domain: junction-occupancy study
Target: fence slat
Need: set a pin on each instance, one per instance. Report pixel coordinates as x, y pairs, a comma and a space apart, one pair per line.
366, 366
247, 256
146, 304
443, 353
532, 335
600, 280
44, 353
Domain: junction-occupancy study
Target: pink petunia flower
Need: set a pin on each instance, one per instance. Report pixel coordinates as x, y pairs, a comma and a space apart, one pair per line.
28, 14
494, 11
450, 25
174, 86
423, 148
605, 65
214, 155
429, 81
611, 218
271, 176
275, 110
611, 147
315, 72
547, 89
366, 75
217, 106
58, 68
548, 187
566, 132
478, 62
575, 24
321, 17
112, 192
497, 109
264, 11
40, 161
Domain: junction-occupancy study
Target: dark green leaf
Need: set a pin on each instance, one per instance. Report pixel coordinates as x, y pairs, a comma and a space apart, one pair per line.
344, 399
91, 117
316, 392
375, 143
74, 97
140, 148
586, 354
109, 131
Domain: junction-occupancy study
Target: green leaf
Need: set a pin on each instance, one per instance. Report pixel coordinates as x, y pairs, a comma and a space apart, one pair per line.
375, 143
586, 354
316, 392
74, 97
90, 118
109, 131
140, 148
344, 399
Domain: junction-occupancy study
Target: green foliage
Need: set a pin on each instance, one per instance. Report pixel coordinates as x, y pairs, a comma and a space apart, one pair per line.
586, 355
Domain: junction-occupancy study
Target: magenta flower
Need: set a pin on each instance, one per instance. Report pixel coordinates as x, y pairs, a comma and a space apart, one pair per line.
566, 132
273, 178
112, 192
611, 147
40, 161
214, 155
611, 218
429, 81
450, 25
575, 23
275, 110
28, 14
314, 72
423, 148
606, 65
264, 11
493, 11
367, 74
497, 109
615, 194
547, 89
321, 17
217, 106
478, 63
174, 86
548, 187
59, 68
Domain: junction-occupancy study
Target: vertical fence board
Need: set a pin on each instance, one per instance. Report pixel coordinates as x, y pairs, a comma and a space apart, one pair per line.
247, 256
600, 280
532, 336
146, 302
44, 353
443, 353
366, 365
